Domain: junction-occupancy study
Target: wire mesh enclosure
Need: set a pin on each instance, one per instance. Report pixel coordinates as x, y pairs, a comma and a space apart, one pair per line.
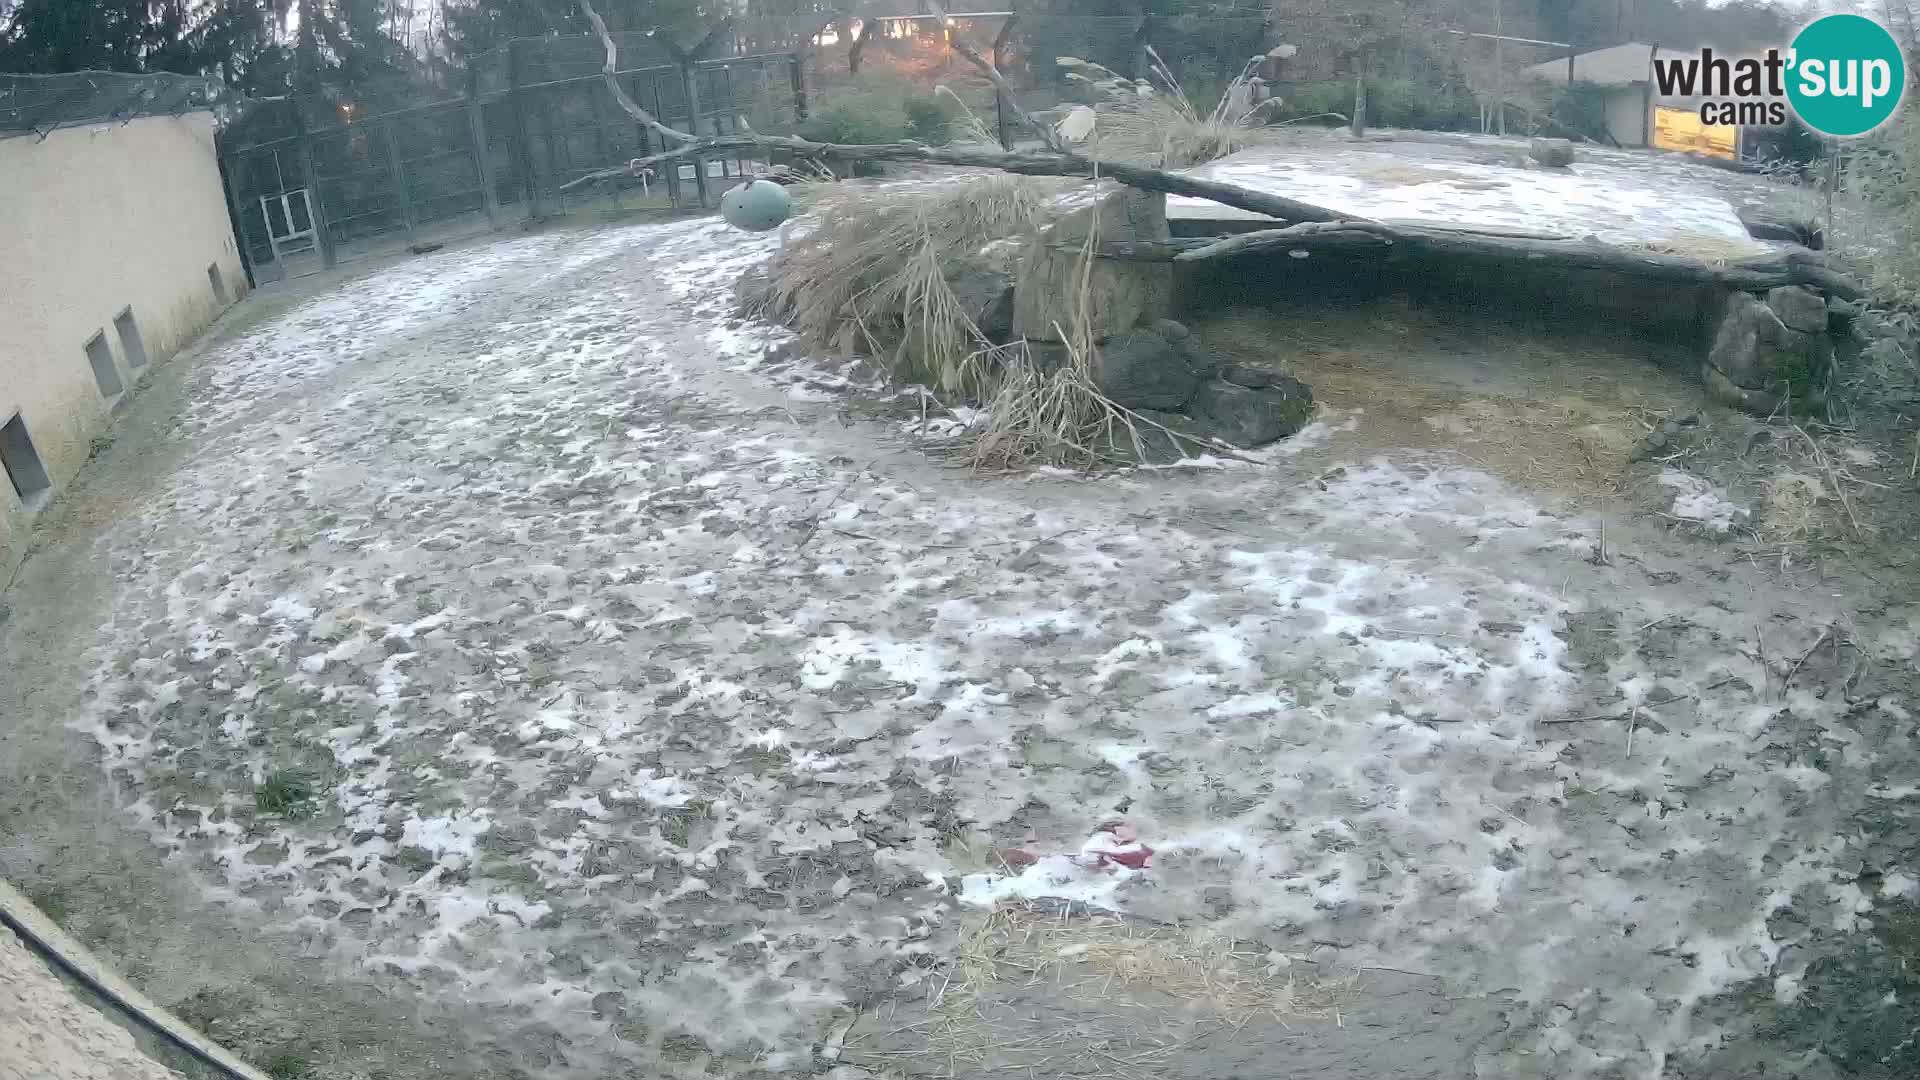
38, 105
537, 116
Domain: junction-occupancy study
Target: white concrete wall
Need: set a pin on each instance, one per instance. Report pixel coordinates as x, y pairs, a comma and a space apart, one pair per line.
1627, 115
94, 220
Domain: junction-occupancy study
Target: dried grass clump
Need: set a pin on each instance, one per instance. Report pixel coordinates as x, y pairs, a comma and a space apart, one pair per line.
870, 273
1152, 121
1794, 510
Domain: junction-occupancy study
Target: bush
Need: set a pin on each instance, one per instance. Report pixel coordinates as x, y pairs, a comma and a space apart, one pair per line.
930, 118
1877, 225
876, 109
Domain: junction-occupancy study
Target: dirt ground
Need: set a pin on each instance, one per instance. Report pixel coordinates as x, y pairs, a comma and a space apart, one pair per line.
491, 666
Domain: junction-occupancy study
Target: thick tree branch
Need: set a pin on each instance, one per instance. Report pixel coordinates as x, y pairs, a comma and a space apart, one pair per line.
1020, 162
1792, 267
608, 71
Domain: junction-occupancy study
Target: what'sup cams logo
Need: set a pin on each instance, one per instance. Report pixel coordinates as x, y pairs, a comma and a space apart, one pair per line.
1843, 76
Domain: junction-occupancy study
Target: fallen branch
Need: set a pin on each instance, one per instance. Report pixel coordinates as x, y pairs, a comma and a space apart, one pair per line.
1789, 268
1019, 162
1058, 162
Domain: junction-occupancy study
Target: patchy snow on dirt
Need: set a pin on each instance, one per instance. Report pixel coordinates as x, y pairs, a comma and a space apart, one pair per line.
1619, 198
1697, 500
669, 716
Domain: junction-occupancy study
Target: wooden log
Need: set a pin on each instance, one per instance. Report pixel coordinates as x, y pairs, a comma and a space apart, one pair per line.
1454, 243
1020, 162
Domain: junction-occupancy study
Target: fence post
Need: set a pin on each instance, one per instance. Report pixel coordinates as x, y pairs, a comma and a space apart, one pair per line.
477, 145
1002, 122
317, 200
522, 139
233, 217
799, 88
1357, 125
689, 86
397, 169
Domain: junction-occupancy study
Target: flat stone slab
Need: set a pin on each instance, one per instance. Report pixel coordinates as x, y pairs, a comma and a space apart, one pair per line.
1623, 197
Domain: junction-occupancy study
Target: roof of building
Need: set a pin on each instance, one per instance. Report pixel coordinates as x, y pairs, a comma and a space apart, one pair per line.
1618, 65
37, 104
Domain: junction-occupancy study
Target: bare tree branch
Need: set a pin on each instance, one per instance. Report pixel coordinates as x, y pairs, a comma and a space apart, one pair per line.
1024, 163
1047, 135
608, 72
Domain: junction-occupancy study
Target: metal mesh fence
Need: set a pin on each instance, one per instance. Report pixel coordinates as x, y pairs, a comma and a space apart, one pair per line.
38, 105
538, 117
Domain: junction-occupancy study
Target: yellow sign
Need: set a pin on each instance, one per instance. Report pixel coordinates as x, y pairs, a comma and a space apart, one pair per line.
1681, 129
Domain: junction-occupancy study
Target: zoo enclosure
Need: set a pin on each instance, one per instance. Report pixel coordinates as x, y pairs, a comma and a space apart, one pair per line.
536, 115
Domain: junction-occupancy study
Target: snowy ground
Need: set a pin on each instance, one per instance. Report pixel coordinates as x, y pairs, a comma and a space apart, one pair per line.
673, 718
1623, 197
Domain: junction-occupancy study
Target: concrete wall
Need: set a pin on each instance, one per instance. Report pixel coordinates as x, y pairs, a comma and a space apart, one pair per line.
95, 220
1627, 119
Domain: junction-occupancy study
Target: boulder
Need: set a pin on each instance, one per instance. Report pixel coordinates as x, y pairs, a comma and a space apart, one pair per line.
1198, 357
1755, 351
984, 286
1121, 294
1144, 370
1152, 439
1253, 378
1799, 308
1248, 417
1554, 153
1047, 357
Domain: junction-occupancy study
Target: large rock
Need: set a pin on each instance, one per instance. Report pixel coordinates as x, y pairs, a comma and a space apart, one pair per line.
1757, 353
984, 286
1198, 357
1121, 294
1154, 438
1145, 370
1554, 153
1249, 417
1798, 308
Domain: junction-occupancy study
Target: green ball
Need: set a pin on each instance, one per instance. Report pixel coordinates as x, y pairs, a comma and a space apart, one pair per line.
756, 206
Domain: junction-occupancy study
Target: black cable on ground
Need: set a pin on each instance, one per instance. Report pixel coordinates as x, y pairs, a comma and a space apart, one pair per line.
51, 955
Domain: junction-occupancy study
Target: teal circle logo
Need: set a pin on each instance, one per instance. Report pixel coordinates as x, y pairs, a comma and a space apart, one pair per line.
1845, 75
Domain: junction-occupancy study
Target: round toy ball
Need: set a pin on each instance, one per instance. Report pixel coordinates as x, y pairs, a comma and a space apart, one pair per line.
756, 206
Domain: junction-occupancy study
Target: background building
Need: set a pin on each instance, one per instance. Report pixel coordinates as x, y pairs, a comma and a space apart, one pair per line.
118, 249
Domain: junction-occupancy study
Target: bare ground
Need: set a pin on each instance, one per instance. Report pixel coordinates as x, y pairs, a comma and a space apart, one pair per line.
489, 667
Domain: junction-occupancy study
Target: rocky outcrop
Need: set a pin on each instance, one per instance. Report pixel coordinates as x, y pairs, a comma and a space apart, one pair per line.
1767, 352
1120, 294
1247, 416
1162, 372
1144, 370
983, 284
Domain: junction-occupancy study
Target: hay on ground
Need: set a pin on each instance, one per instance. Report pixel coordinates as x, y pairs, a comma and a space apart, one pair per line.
869, 272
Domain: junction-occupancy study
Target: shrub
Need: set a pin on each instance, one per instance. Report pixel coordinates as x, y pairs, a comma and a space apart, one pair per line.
1876, 225
877, 108
930, 118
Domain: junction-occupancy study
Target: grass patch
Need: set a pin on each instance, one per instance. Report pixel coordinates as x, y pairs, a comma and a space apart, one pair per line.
287, 1065
288, 792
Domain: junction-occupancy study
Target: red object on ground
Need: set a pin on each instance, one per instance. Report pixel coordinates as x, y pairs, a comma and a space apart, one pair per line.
1135, 856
